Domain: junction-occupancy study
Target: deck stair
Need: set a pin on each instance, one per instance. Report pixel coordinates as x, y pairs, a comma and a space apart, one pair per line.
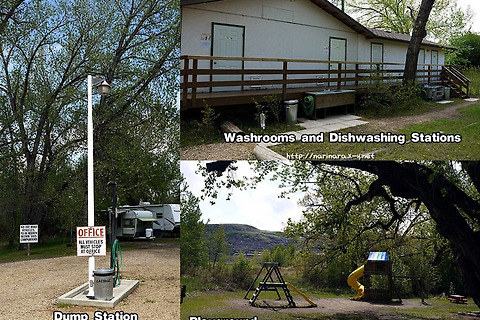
272, 281
456, 80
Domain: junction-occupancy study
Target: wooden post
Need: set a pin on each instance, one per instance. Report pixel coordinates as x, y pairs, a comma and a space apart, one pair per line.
194, 82
357, 67
429, 72
284, 82
339, 83
28, 249
186, 65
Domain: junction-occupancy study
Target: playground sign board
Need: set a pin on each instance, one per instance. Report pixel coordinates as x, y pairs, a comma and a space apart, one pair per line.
29, 233
377, 256
91, 241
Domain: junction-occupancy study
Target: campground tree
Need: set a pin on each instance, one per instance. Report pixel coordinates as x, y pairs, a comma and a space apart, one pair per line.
216, 245
467, 50
418, 33
448, 192
47, 51
446, 22
192, 229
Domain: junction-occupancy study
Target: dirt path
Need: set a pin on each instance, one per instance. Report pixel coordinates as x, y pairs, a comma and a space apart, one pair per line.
29, 288
331, 307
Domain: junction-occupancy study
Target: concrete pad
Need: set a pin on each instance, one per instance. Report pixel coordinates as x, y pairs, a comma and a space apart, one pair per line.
354, 123
471, 99
335, 127
316, 130
77, 296
444, 101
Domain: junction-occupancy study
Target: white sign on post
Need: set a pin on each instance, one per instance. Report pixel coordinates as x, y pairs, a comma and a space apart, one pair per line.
91, 241
29, 233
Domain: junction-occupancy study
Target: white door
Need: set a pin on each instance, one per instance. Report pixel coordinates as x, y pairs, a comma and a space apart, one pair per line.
421, 60
227, 42
338, 52
435, 61
377, 53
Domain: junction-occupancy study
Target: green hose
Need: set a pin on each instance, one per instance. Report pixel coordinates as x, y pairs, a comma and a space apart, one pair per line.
117, 261
308, 105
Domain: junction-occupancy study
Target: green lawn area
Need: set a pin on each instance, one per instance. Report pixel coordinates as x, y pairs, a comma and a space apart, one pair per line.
466, 124
59, 247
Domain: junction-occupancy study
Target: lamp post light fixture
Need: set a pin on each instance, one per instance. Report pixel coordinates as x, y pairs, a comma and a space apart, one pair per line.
103, 89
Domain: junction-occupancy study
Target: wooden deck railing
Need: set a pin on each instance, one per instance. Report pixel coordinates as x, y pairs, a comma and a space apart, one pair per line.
199, 76
456, 80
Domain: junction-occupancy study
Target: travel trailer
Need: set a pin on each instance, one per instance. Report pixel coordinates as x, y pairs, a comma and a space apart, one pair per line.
147, 221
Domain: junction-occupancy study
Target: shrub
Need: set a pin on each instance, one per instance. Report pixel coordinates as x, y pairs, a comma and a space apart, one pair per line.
241, 275
382, 98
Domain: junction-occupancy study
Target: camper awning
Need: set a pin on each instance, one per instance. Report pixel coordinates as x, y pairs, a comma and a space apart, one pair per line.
145, 215
147, 219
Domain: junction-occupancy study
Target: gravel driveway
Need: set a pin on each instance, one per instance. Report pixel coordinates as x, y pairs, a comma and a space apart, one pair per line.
29, 288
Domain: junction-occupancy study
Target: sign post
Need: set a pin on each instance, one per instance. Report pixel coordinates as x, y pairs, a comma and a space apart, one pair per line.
91, 241
28, 234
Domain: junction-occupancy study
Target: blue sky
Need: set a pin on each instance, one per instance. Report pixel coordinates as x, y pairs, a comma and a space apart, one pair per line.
258, 207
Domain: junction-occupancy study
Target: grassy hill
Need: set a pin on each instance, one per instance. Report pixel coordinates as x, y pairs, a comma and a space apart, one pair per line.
249, 239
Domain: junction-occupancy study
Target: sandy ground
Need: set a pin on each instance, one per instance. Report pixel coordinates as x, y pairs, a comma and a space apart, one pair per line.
325, 306
29, 288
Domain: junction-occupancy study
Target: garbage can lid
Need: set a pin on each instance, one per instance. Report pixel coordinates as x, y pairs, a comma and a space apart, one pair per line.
294, 101
104, 272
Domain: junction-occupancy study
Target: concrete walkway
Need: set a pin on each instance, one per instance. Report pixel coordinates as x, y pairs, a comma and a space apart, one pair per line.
330, 123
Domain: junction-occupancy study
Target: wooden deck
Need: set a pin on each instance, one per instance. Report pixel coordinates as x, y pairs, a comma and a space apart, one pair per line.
291, 78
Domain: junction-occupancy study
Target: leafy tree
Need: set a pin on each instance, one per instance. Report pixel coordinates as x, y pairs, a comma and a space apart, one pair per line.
192, 242
354, 198
47, 50
467, 50
418, 33
447, 20
216, 245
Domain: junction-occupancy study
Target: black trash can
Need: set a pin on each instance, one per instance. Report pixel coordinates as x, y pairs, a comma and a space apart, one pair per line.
103, 284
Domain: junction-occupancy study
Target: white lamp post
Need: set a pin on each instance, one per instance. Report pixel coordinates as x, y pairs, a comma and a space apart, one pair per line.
103, 89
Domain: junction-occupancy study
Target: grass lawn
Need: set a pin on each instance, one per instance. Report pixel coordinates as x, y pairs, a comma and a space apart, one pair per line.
58, 247
467, 124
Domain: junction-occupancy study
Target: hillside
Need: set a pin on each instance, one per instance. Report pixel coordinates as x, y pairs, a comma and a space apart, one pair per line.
250, 239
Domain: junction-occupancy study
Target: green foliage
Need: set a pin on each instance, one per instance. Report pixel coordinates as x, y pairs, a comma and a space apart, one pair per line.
48, 48
474, 75
384, 99
241, 275
466, 52
209, 118
192, 244
216, 246
274, 105
447, 19
285, 256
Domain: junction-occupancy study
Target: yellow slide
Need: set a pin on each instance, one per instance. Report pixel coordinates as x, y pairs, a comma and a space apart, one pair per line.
303, 296
353, 282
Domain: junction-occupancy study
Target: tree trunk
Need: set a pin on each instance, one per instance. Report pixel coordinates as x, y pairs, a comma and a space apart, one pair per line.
418, 34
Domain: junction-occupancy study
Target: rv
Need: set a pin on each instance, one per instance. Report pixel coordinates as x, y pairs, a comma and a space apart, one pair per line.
147, 221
